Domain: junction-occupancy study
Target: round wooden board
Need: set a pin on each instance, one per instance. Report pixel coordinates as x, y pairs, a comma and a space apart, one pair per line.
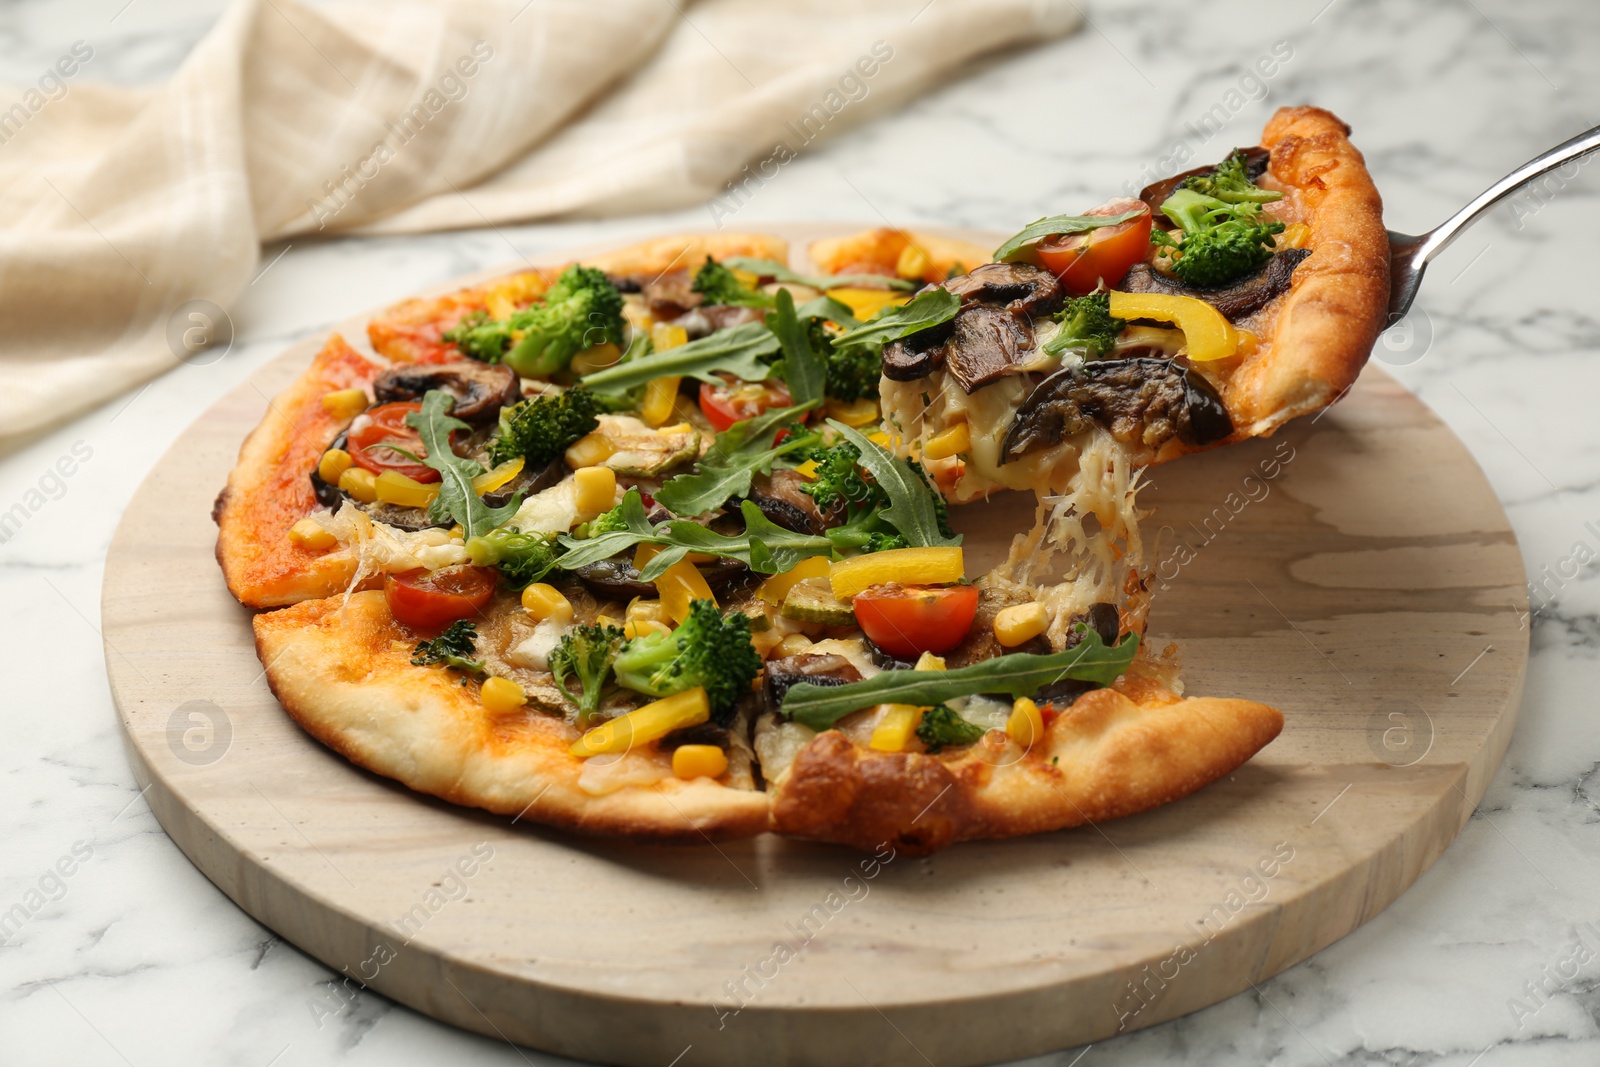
1355, 571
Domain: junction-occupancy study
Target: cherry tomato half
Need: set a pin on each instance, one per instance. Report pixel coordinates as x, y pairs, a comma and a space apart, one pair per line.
734, 401
432, 600
908, 620
1083, 260
384, 425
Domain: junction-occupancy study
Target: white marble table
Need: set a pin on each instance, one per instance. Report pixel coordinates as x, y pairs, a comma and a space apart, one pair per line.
127, 955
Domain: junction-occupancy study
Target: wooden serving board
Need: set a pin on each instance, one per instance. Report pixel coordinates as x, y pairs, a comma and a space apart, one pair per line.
1356, 571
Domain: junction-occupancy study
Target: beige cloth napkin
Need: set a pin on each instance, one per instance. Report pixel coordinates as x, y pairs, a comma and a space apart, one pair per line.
122, 207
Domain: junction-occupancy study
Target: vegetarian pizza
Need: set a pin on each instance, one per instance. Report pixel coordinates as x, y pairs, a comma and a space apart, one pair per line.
658, 544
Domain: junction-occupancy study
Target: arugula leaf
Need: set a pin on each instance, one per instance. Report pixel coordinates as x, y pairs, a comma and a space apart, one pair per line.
1019, 674
803, 369
765, 546
1059, 224
892, 323
737, 351
741, 452
771, 268
912, 509
457, 499
826, 307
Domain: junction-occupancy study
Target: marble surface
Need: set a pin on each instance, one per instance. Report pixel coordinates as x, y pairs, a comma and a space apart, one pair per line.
127, 955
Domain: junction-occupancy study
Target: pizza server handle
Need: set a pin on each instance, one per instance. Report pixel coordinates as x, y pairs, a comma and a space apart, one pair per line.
1409, 253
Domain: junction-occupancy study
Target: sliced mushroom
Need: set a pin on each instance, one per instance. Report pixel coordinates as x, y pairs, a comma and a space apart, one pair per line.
1244, 297
671, 294
1016, 286
789, 671
1156, 193
480, 389
917, 356
781, 499
1141, 401
707, 319
987, 343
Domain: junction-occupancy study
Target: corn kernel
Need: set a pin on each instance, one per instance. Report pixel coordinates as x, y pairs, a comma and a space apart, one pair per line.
955, 440
361, 484
1026, 724
308, 533
1020, 623
596, 491
659, 396
457, 533
913, 262
604, 620
639, 627
699, 761
589, 450
334, 462
544, 601
501, 696
1295, 235
792, 645
929, 662
345, 403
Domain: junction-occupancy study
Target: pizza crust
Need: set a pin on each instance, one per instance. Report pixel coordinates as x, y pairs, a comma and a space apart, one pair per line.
1316, 338
269, 489
344, 673
1110, 754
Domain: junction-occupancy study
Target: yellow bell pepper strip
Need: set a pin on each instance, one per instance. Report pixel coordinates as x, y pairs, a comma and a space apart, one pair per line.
864, 303
490, 480
644, 725
774, 589
908, 566
857, 413
952, 442
1209, 335
895, 730
679, 586
360, 483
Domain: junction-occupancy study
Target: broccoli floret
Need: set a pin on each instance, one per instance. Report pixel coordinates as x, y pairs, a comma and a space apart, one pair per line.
1087, 326
480, 337
853, 371
1231, 184
1222, 242
522, 558
705, 650
454, 648
582, 309
586, 652
840, 479
719, 285
606, 522
541, 428
941, 726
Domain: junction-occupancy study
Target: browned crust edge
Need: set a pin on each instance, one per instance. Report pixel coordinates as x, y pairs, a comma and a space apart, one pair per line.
1105, 757
344, 673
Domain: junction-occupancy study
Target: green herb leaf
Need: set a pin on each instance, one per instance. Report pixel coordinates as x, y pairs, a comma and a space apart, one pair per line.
826, 307
457, 499
912, 509
1020, 674
1059, 225
803, 369
737, 351
765, 547
892, 323
771, 268
741, 452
